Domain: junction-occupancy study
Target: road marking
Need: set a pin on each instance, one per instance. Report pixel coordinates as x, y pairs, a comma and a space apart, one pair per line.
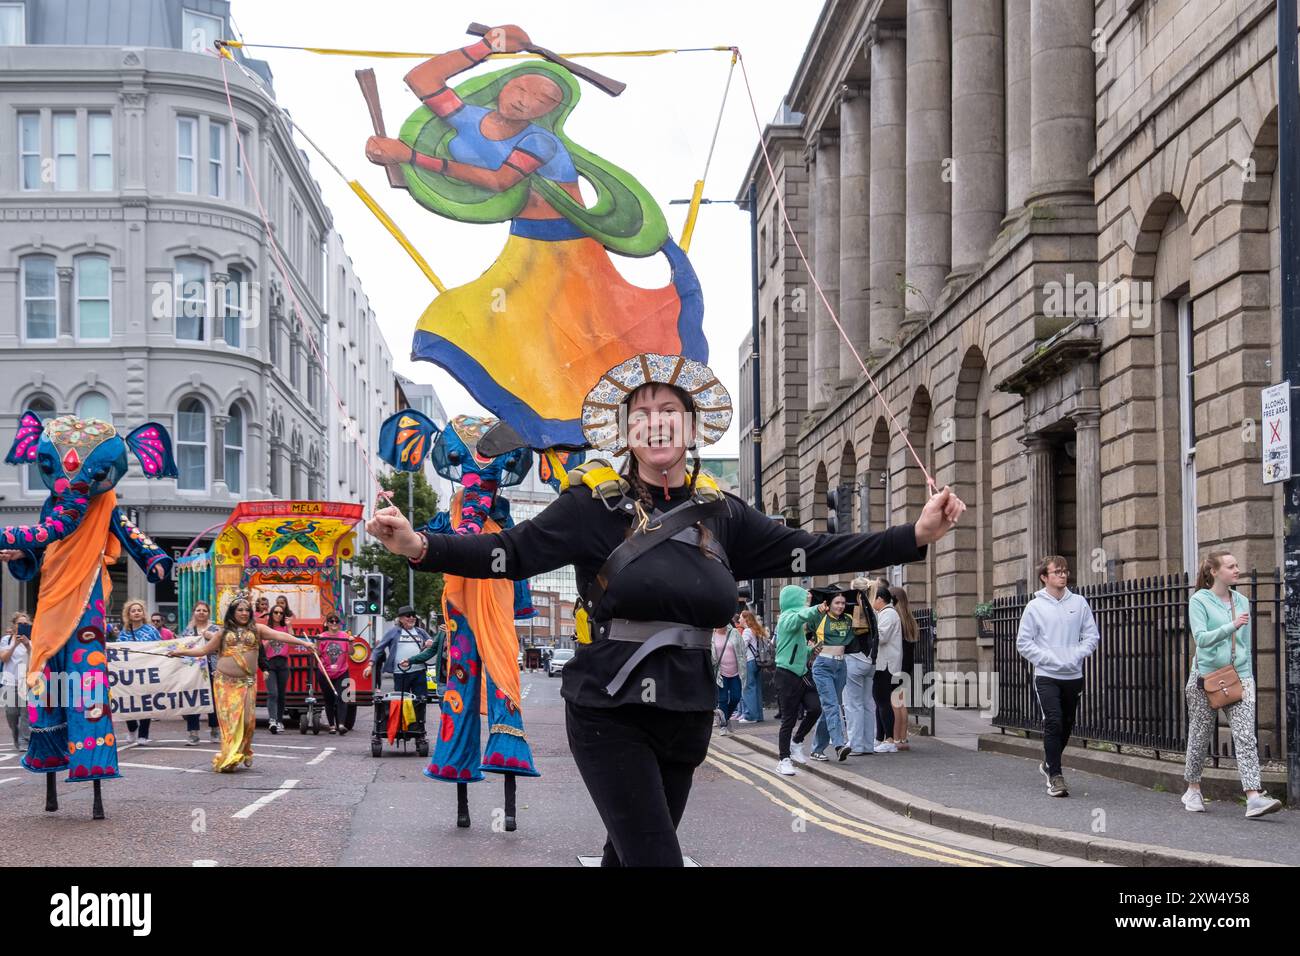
154, 766
199, 750
262, 801
595, 861
524, 696
855, 829
804, 799
260, 744
318, 758
205, 862
9, 779
9, 756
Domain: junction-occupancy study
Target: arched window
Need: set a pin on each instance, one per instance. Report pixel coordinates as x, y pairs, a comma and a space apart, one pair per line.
236, 306
43, 407
40, 299
94, 319
192, 445
235, 451
94, 405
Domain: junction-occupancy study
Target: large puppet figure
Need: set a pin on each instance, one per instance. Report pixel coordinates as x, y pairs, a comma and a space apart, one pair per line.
529, 336
80, 533
482, 644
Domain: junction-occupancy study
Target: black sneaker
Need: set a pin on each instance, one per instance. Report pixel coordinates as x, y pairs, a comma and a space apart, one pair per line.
843, 752
1056, 786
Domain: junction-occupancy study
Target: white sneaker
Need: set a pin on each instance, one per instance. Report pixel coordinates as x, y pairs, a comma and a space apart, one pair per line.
130, 736
786, 767
1193, 802
1262, 805
797, 754
885, 747
142, 742
724, 731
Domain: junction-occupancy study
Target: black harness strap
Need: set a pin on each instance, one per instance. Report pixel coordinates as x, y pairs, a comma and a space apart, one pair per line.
669, 525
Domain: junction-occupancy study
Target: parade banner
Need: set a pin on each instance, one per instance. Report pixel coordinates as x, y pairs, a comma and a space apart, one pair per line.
144, 683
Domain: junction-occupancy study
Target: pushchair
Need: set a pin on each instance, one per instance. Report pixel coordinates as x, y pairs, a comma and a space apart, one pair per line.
413, 731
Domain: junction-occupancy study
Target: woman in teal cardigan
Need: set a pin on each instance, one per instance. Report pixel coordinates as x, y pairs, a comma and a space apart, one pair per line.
1220, 623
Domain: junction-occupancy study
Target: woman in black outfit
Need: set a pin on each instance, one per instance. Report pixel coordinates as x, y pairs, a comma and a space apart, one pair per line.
639, 706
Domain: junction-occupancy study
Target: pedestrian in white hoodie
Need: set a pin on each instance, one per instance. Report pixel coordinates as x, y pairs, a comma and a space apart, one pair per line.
1057, 634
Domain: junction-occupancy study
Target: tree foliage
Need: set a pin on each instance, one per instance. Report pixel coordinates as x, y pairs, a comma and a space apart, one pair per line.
374, 557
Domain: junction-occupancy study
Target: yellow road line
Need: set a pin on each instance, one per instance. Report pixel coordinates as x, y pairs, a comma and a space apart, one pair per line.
915, 842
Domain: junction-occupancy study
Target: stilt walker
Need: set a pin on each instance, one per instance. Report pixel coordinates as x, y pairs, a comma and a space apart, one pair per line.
81, 532
482, 644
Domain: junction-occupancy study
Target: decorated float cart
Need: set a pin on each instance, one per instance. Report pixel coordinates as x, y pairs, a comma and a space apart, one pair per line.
291, 548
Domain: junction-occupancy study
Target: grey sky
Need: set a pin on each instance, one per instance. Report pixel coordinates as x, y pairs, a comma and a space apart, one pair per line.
658, 129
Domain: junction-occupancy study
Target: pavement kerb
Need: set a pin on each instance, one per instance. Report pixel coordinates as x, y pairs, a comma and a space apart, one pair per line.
1028, 835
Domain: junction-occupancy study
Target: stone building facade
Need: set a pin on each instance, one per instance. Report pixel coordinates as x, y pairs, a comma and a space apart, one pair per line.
137, 280
1051, 230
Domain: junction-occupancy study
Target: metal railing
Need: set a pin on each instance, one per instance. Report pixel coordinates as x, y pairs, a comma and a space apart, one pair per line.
1134, 684
922, 664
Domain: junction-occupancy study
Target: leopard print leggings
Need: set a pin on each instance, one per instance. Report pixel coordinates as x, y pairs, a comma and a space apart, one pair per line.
1201, 723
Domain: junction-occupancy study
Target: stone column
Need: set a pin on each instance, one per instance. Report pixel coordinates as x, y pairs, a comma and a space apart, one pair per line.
1041, 506
855, 224
978, 163
219, 280
219, 423
219, 487
1087, 462
888, 181
929, 138
826, 263
1017, 104
1062, 101
65, 302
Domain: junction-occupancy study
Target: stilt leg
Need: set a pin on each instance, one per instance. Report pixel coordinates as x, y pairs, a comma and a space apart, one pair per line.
98, 812
462, 805
510, 803
51, 794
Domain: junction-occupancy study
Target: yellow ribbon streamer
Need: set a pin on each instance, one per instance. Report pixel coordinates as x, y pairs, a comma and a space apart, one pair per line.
694, 211
397, 234
396, 54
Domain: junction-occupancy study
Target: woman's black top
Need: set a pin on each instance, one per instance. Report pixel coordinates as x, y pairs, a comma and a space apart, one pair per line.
671, 582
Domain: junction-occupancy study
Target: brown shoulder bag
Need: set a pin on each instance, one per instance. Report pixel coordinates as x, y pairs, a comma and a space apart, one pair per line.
1223, 686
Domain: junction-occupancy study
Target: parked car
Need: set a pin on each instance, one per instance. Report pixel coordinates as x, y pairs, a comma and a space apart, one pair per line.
559, 657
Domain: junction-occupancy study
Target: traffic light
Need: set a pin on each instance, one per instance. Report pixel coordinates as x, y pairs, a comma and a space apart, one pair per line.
385, 590
374, 599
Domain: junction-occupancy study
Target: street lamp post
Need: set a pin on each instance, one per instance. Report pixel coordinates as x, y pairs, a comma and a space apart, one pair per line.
1288, 166
751, 201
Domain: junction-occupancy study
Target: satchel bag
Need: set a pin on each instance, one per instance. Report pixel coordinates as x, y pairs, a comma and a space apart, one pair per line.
1223, 686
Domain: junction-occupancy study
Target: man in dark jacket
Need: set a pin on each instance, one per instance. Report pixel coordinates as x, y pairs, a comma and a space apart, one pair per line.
399, 654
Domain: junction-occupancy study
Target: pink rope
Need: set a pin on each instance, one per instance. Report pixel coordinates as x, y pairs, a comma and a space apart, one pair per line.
771, 172
274, 245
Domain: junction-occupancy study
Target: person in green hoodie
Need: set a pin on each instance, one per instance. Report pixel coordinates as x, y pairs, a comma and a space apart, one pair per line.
1220, 623
792, 690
